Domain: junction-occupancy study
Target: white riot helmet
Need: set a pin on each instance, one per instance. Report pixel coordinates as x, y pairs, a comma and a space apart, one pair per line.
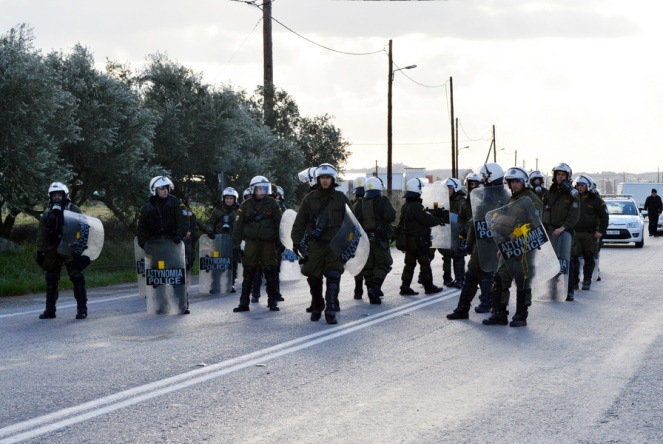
492, 173
586, 181
307, 176
472, 178
230, 191
58, 186
413, 188
260, 182
455, 184
160, 182
246, 193
359, 186
279, 191
373, 187
563, 167
326, 169
516, 173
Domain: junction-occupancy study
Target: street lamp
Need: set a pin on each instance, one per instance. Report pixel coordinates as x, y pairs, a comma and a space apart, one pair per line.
457, 166
389, 116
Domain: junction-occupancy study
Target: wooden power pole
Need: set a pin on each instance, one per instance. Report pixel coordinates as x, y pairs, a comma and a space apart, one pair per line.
453, 134
268, 65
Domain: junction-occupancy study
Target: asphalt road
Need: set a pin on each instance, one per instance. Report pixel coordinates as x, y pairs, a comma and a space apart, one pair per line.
581, 372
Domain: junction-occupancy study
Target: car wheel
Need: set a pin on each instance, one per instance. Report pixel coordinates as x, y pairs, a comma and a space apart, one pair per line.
642, 242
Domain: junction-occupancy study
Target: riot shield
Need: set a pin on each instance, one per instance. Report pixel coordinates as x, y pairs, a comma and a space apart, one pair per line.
453, 220
290, 269
216, 264
435, 198
81, 234
523, 243
351, 244
484, 200
139, 259
557, 288
165, 277
287, 221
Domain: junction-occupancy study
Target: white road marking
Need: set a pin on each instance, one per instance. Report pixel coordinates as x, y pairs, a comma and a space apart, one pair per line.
126, 398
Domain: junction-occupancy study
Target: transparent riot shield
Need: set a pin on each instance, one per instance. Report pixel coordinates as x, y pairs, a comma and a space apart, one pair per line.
523, 243
351, 244
216, 264
435, 199
453, 220
165, 277
484, 200
557, 288
139, 260
81, 234
290, 269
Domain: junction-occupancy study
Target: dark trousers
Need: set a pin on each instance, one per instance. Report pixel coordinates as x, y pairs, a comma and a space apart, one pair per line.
653, 222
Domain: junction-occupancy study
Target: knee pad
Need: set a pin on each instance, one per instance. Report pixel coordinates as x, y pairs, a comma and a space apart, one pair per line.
52, 278
333, 275
271, 271
248, 270
77, 278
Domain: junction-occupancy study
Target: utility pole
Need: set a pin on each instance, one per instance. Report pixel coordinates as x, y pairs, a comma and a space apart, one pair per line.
515, 158
453, 136
389, 116
454, 172
268, 65
494, 146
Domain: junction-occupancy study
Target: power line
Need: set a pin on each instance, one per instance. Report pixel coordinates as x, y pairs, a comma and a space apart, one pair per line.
418, 83
237, 50
253, 3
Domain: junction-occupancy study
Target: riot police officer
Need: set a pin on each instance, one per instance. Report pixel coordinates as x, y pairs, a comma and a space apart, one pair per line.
453, 256
491, 175
163, 216
222, 220
417, 224
518, 182
561, 208
319, 218
591, 227
358, 196
49, 236
376, 214
257, 223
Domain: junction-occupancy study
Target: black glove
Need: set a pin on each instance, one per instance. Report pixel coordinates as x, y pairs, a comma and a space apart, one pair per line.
211, 235
177, 240
295, 248
40, 258
81, 262
466, 248
237, 253
280, 248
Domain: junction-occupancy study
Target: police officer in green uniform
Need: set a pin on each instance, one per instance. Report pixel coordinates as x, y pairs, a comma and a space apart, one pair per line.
358, 192
222, 220
164, 216
49, 235
492, 175
319, 218
376, 214
417, 223
591, 227
561, 209
518, 182
257, 222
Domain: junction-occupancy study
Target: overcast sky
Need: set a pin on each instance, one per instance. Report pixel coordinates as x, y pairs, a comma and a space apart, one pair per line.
575, 81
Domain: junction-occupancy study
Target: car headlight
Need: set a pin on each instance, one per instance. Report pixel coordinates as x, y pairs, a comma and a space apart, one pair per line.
632, 225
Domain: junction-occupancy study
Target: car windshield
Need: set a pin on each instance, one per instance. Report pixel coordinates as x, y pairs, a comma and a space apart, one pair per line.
626, 207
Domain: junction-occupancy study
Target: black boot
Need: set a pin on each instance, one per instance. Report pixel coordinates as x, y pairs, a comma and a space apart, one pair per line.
465, 300
257, 283
51, 296
359, 289
484, 297
272, 283
586, 283
520, 318
331, 296
406, 290
317, 300
80, 294
446, 279
374, 295
247, 284
459, 270
499, 317
432, 289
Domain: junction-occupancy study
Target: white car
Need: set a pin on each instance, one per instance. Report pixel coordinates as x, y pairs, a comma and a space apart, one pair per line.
626, 224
